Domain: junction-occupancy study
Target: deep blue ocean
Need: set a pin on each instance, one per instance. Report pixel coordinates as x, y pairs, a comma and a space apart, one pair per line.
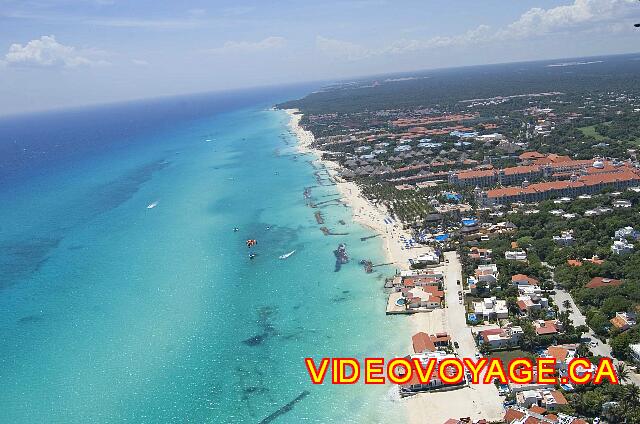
113, 312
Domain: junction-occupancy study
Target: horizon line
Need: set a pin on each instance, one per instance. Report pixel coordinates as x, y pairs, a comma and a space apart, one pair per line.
324, 82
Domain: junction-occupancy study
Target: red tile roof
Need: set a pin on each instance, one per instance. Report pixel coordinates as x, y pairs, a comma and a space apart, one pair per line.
530, 155
583, 181
558, 352
512, 415
549, 327
597, 282
523, 277
422, 342
537, 410
559, 397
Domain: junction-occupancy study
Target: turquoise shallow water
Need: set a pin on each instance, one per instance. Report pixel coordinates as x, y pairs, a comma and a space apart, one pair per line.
112, 312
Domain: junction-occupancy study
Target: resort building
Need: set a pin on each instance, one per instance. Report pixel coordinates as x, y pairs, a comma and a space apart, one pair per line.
624, 204
634, 349
491, 308
589, 183
527, 304
487, 273
563, 355
621, 247
515, 255
565, 238
480, 254
624, 320
520, 280
466, 420
540, 400
544, 328
538, 415
626, 233
498, 338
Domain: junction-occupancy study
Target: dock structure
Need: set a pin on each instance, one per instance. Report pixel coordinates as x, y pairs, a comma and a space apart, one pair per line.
328, 232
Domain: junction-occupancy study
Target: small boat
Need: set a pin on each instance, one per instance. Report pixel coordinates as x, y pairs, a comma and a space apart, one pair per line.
286, 255
252, 255
152, 205
236, 229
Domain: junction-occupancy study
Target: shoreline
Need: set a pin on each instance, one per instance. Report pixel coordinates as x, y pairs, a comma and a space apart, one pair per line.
363, 211
418, 409
476, 402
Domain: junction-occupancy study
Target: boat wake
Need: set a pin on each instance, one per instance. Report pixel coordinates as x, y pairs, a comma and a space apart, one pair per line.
286, 255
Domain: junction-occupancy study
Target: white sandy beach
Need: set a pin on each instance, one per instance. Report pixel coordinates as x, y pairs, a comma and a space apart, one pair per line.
364, 212
476, 401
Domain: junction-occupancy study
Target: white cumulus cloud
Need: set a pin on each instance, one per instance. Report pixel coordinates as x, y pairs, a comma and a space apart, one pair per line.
46, 51
581, 14
268, 43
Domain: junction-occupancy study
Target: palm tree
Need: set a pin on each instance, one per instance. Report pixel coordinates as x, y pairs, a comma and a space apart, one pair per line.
622, 372
566, 304
631, 393
629, 397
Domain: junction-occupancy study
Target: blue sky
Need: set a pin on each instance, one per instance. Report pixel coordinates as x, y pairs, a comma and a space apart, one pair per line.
72, 52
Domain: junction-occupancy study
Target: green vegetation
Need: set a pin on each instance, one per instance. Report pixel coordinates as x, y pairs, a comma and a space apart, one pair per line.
590, 131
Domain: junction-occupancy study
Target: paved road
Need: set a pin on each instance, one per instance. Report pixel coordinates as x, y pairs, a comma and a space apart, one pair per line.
455, 319
578, 318
601, 349
477, 401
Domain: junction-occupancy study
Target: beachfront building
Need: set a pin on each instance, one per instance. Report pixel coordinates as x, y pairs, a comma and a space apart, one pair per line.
466, 420
425, 297
547, 400
414, 385
428, 259
538, 415
423, 342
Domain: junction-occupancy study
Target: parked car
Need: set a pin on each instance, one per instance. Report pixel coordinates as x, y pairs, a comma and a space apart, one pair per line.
458, 282
455, 344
